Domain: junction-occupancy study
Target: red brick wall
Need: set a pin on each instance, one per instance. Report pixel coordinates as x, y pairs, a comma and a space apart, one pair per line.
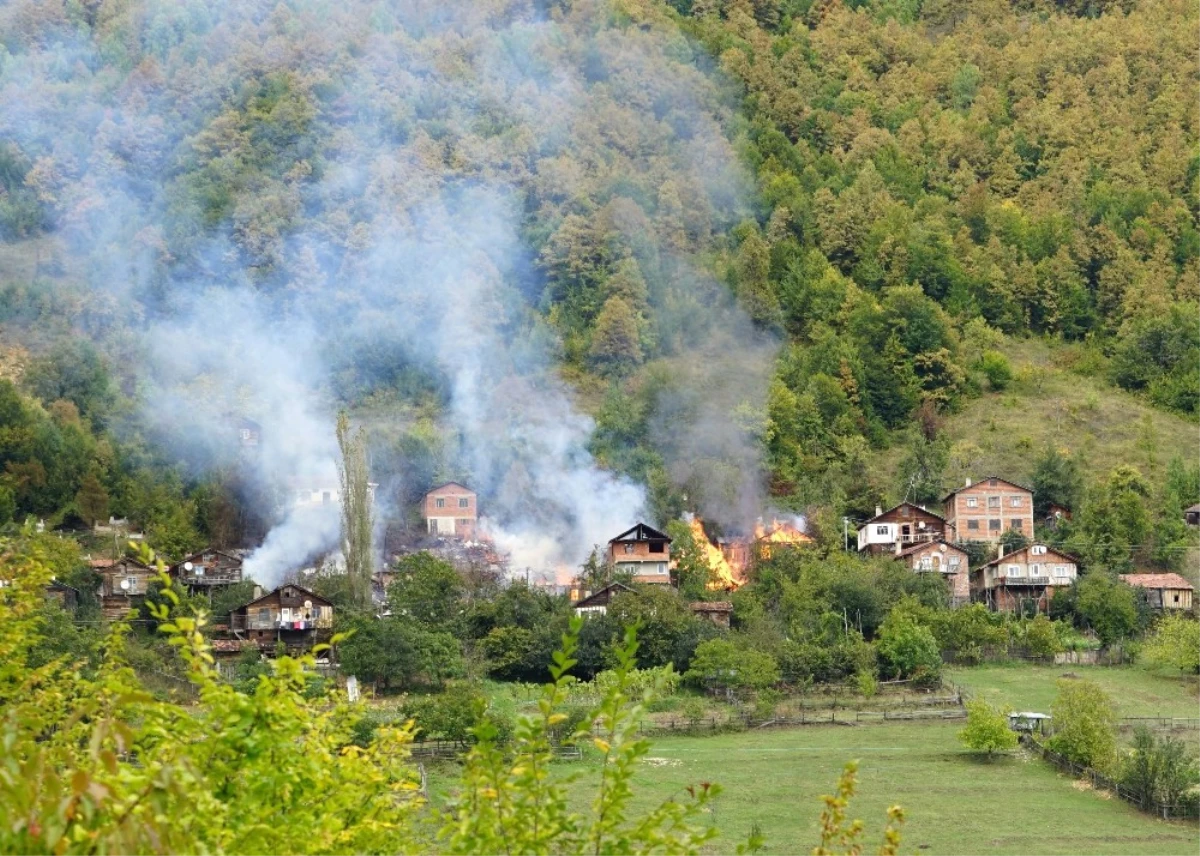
992, 502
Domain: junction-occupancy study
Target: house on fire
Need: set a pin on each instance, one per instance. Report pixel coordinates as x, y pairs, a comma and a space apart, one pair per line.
901, 527
1026, 576
985, 510
207, 570
938, 557
290, 614
123, 585
1167, 592
451, 510
643, 552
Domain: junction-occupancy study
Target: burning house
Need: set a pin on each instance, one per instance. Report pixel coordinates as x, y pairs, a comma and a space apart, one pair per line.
730, 558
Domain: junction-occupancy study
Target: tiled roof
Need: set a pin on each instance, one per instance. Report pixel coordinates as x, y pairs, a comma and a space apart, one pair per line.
901, 505
911, 550
984, 480
1165, 581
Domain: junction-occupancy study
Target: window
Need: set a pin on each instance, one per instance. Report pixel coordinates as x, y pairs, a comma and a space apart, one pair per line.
993, 502
658, 547
993, 525
1035, 570
463, 502
1038, 550
464, 521
1015, 571
131, 585
991, 482
1017, 523
927, 563
1015, 502
433, 526
628, 549
881, 530
245, 433
1062, 571
904, 511
1176, 598
972, 502
973, 524
439, 502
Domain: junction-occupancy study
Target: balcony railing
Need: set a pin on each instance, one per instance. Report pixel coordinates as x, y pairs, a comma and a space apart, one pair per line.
225, 579
1025, 581
272, 621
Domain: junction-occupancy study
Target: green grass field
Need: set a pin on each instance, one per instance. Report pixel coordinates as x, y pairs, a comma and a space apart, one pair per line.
954, 802
1134, 691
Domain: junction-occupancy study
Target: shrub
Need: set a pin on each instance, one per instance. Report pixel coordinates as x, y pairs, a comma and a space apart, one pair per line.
1158, 771
720, 663
1174, 644
1085, 725
987, 729
996, 369
908, 649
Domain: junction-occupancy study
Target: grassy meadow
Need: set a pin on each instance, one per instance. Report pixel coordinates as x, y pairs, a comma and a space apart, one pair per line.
1134, 691
955, 803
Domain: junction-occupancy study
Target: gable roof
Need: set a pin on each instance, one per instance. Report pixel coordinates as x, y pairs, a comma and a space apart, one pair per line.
1153, 581
984, 480
1049, 551
308, 592
928, 544
1193, 510
448, 484
59, 586
596, 596
199, 553
102, 565
641, 532
901, 505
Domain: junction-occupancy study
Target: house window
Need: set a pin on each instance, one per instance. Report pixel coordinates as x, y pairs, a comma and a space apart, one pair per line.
973, 524
881, 530
955, 561
132, 586
1015, 502
657, 547
927, 563
993, 502
1035, 570
464, 521
1176, 598
1061, 571
991, 482
439, 503
1015, 571
993, 525
463, 502
1018, 523
972, 502
628, 549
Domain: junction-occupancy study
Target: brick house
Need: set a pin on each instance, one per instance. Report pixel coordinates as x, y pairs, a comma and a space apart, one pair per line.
290, 614
986, 509
941, 558
451, 510
901, 527
1026, 576
1163, 591
123, 585
643, 552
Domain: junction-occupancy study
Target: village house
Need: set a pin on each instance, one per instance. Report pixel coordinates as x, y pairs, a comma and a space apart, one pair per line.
1163, 591
1191, 516
901, 527
249, 434
123, 586
941, 558
718, 612
451, 510
643, 552
985, 510
62, 594
596, 603
207, 570
1055, 514
312, 492
1023, 577
290, 614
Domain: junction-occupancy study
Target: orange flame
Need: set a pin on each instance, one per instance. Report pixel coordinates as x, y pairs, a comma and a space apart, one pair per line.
780, 532
723, 575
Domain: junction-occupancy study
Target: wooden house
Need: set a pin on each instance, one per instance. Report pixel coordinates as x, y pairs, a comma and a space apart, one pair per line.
451, 510
899, 528
123, 586
1167, 592
644, 553
952, 563
207, 570
985, 510
1055, 514
1028, 576
1191, 516
64, 595
596, 603
290, 614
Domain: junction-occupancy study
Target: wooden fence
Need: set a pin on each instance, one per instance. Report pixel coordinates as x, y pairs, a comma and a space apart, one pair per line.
450, 750
1185, 809
829, 716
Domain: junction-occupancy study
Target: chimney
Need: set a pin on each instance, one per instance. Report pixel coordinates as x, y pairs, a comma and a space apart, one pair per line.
1000, 550
258, 592
878, 511
968, 484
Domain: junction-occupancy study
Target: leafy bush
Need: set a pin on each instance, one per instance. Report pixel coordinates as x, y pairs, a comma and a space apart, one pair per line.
907, 649
996, 369
987, 729
1175, 644
1158, 771
1085, 724
720, 663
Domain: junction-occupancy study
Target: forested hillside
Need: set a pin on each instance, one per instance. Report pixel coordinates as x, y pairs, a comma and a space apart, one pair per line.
778, 251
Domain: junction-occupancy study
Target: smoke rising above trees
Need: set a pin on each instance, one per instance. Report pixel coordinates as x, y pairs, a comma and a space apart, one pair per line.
281, 209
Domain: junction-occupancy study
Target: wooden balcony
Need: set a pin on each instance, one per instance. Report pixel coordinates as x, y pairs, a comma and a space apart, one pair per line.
1025, 581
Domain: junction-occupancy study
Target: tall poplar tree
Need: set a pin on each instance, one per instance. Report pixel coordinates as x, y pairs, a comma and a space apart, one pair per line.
356, 510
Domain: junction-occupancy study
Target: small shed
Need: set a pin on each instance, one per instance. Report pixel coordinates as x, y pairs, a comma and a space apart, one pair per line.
1028, 722
1163, 591
1192, 515
717, 611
